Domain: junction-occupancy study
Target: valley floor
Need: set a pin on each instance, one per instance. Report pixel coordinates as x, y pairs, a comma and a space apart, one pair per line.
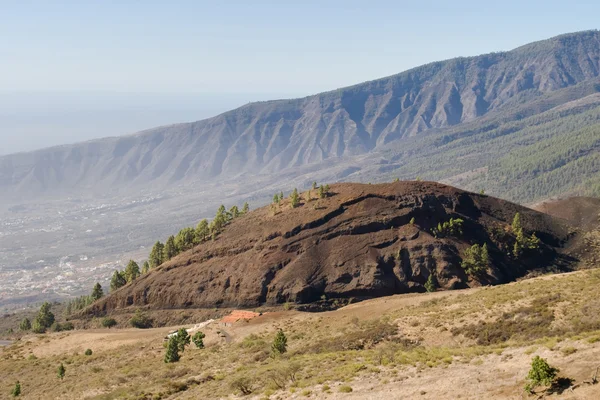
470, 344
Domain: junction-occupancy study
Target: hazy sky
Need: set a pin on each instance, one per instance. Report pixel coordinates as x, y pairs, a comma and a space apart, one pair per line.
197, 58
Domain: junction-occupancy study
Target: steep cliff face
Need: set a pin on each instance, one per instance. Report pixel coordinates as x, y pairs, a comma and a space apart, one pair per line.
271, 136
363, 241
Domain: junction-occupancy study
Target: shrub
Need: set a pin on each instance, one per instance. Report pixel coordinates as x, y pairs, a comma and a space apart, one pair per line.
109, 322
67, 326
198, 339
55, 327
541, 373
88, 352
61, 371
453, 227
16, 392
345, 389
412, 221
523, 324
242, 384
281, 374
140, 320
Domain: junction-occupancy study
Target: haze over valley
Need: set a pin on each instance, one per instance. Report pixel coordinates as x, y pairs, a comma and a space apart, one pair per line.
93, 205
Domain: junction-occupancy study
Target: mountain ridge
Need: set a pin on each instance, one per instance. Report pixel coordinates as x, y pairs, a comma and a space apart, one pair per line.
275, 135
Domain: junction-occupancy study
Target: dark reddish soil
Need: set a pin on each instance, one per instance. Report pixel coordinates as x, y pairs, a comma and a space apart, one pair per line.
357, 243
582, 212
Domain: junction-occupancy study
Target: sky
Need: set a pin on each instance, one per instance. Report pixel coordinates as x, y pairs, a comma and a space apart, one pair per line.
72, 70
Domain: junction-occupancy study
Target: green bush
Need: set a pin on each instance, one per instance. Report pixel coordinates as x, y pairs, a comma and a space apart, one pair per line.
67, 326
61, 371
345, 389
453, 227
198, 339
541, 373
88, 352
140, 320
108, 322
16, 392
243, 385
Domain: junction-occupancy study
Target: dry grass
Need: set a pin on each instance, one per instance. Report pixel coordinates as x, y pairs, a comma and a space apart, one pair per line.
415, 343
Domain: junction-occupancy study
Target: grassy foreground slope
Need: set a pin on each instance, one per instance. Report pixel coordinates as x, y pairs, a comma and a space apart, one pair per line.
475, 343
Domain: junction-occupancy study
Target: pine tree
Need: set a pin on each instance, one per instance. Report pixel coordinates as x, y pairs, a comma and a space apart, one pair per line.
276, 198
156, 255
16, 392
245, 208
25, 324
132, 271
516, 224
295, 198
170, 249
485, 257
322, 192
218, 223
475, 259
198, 339
61, 371
97, 292
279, 345
145, 267
234, 211
45, 318
430, 284
202, 231
183, 339
314, 185
185, 240
117, 281
172, 354
36, 327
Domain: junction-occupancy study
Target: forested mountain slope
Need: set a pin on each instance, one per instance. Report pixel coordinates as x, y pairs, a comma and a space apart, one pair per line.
453, 102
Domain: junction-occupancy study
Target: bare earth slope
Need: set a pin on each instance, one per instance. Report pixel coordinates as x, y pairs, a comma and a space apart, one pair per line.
397, 347
359, 242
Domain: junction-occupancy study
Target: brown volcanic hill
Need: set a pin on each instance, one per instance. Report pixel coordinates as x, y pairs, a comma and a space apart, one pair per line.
584, 213
358, 242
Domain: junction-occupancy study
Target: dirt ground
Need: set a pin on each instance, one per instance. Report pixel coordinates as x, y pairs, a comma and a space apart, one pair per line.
132, 359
